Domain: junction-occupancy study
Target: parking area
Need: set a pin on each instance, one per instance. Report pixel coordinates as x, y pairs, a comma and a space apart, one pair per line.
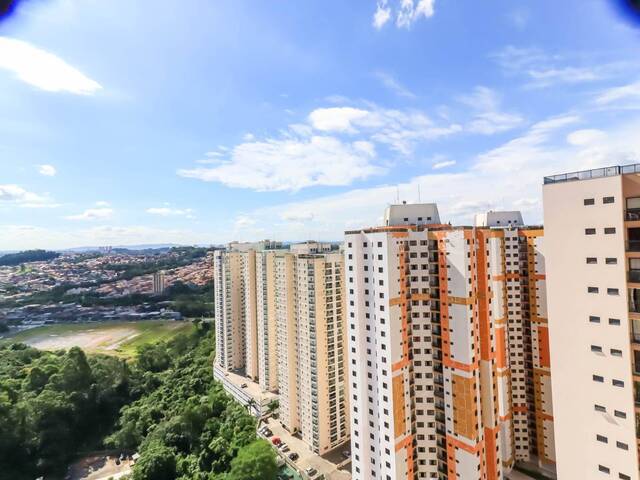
334, 465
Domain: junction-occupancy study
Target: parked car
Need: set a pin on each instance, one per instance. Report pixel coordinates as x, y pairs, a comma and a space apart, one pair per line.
310, 471
293, 456
284, 448
244, 385
268, 433
276, 441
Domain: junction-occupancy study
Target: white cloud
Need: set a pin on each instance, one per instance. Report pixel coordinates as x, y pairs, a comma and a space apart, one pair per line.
14, 195
392, 84
92, 214
292, 164
406, 12
47, 170
42, 69
398, 129
382, 15
488, 119
102, 203
545, 70
617, 94
409, 12
506, 177
336, 119
248, 137
170, 212
443, 164
585, 137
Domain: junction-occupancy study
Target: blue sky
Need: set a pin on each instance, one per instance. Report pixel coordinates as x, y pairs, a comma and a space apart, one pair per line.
202, 122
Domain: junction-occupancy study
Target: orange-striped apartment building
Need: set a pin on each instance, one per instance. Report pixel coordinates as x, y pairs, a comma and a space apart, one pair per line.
449, 357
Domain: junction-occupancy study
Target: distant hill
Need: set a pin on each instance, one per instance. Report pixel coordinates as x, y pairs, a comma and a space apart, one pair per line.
12, 259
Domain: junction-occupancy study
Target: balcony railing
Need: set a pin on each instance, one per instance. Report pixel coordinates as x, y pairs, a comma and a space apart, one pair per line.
594, 173
632, 214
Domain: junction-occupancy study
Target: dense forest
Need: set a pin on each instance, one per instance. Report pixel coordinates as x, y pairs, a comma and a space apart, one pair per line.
165, 405
12, 259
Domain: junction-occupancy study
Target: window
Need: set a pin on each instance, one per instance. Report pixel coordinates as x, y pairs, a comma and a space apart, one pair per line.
608, 199
602, 438
592, 289
613, 291
619, 414
616, 353
594, 319
599, 408
617, 383
592, 260
624, 476
622, 446
603, 469
589, 201
589, 231
611, 261
596, 348
609, 230
598, 378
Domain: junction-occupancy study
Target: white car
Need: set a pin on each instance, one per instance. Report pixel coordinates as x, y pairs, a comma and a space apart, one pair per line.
284, 447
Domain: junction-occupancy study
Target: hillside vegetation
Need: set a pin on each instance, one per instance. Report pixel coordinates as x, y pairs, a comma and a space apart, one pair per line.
165, 405
12, 259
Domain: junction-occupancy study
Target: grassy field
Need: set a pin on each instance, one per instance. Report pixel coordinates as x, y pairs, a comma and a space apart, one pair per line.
112, 338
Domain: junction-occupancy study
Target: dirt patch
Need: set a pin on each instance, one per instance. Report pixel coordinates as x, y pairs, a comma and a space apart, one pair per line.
88, 340
99, 467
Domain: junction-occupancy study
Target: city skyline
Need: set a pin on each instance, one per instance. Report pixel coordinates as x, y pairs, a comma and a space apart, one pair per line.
245, 120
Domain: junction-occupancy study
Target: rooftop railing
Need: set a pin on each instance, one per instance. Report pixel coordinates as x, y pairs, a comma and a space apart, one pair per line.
593, 173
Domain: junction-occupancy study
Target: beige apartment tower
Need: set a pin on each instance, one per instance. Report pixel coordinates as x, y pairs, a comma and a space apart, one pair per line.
592, 244
288, 305
448, 357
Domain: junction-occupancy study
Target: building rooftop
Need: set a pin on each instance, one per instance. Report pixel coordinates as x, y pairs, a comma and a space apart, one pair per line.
593, 173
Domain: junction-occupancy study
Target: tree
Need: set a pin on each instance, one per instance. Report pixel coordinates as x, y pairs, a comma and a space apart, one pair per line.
256, 461
157, 462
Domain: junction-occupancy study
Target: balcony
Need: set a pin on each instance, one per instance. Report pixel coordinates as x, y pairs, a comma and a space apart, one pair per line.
633, 246
632, 214
633, 276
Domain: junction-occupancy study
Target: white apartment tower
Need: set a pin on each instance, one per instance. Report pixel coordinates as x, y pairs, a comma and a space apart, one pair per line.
430, 310
592, 223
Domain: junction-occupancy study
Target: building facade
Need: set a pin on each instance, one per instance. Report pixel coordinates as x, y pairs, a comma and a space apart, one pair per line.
430, 311
291, 316
592, 223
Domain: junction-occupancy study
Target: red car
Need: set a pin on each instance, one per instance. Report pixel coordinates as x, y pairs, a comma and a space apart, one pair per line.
276, 441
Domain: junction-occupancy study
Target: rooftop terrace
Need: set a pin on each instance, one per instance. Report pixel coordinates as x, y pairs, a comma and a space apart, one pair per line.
593, 173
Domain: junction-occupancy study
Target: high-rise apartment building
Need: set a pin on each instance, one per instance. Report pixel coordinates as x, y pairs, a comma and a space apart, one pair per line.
445, 344
288, 307
159, 282
592, 243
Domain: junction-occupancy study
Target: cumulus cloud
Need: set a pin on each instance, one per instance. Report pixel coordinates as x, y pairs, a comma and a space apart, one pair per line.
15, 195
92, 214
398, 129
47, 170
42, 69
292, 164
406, 12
